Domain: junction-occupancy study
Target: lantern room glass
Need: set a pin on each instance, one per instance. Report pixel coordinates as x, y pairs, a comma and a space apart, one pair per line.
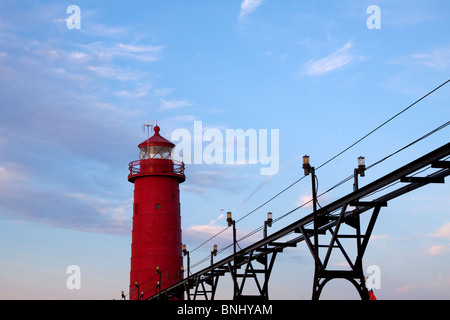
155, 152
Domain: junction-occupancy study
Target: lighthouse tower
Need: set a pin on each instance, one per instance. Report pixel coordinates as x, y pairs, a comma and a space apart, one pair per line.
156, 248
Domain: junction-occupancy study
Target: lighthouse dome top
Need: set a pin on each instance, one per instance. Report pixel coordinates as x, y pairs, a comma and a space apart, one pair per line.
156, 140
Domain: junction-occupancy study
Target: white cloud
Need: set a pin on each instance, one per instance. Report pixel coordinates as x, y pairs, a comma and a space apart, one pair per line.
162, 91
341, 264
173, 104
334, 61
405, 288
216, 220
138, 52
189, 118
248, 6
442, 232
220, 235
438, 250
207, 230
203, 180
114, 72
380, 237
305, 201
12, 175
103, 30
140, 91
109, 216
138, 48
438, 59
75, 56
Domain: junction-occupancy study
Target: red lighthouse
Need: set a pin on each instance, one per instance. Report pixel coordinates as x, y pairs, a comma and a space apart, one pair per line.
156, 259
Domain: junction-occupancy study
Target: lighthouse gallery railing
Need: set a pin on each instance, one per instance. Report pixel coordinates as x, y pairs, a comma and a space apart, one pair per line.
155, 166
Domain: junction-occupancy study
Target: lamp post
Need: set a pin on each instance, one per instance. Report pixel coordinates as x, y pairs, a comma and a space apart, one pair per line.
158, 285
213, 253
267, 223
136, 285
306, 165
310, 170
361, 166
361, 171
186, 253
232, 223
180, 273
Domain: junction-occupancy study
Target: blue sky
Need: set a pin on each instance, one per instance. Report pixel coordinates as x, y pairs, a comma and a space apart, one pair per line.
73, 102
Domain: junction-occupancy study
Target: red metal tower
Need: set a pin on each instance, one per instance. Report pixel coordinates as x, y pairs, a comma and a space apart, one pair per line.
156, 247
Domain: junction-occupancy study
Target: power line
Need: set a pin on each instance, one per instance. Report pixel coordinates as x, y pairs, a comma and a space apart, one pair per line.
384, 123
410, 144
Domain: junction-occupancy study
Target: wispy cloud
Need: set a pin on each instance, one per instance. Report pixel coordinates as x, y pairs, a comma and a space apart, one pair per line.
136, 52
221, 235
173, 104
113, 72
203, 180
115, 215
438, 59
438, 250
332, 62
248, 6
12, 176
140, 52
103, 30
380, 237
405, 288
140, 91
442, 232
